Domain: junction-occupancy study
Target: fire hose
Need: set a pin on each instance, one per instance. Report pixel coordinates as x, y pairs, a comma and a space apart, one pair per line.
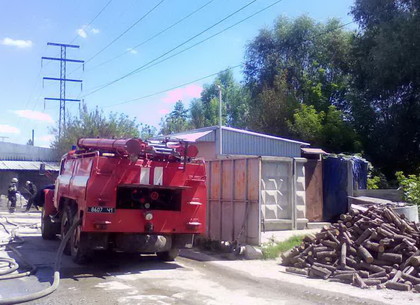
13, 266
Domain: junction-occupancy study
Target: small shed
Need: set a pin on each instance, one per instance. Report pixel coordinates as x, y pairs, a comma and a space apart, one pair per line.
24, 162
255, 182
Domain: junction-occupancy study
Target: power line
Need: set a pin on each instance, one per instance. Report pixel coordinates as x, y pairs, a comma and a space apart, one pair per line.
125, 32
94, 18
210, 37
153, 37
164, 54
176, 87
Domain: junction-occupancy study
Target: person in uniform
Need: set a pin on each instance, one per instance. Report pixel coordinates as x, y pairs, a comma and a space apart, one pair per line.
31, 188
11, 194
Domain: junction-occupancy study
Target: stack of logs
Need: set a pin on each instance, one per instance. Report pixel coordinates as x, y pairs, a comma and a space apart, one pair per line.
374, 248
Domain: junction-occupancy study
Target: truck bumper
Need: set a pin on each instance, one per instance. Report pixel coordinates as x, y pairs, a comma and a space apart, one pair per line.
139, 243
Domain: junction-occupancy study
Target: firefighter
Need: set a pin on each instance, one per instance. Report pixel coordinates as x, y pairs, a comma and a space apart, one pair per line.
11, 194
31, 188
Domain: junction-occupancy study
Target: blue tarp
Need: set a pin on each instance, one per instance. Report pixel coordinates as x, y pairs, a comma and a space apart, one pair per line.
334, 188
335, 184
360, 172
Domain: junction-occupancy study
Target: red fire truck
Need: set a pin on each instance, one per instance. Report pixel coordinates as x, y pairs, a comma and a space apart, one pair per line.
129, 195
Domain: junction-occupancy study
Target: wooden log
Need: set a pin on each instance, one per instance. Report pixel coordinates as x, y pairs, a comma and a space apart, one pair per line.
398, 286
351, 262
417, 287
321, 249
414, 261
380, 262
397, 276
365, 254
325, 254
331, 244
372, 282
410, 278
358, 281
365, 235
320, 272
390, 257
348, 277
408, 270
347, 238
370, 267
363, 274
332, 237
329, 267
352, 251
343, 255
288, 255
297, 271
378, 274
374, 246
309, 238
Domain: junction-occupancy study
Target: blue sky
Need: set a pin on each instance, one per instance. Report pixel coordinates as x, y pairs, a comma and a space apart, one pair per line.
27, 26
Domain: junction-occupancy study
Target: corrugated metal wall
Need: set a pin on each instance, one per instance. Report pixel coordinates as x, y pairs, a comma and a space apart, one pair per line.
11, 151
236, 143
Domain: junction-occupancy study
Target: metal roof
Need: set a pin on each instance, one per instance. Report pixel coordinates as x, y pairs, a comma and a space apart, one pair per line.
243, 142
313, 151
202, 134
19, 152
28, 165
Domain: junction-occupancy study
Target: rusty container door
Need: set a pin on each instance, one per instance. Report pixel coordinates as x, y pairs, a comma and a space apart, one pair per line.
233, 200
314, 195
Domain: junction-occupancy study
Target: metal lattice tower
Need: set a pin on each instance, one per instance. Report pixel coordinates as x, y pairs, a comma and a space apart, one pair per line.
63, 80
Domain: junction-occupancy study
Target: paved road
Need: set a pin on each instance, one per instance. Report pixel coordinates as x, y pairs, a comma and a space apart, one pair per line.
115, 278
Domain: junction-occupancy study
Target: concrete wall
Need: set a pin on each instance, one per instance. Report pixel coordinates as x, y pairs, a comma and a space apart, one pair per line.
314, 196
388, 194
250, 195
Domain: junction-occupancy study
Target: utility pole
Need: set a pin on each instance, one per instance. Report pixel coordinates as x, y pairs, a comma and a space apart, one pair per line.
63, 80
220, 120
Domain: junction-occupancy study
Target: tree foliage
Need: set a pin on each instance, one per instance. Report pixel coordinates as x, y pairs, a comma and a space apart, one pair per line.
386, 69
298, 76
93, 124
176, 121
235, 99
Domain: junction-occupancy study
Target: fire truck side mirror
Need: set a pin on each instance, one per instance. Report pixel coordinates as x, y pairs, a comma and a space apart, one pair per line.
42, 169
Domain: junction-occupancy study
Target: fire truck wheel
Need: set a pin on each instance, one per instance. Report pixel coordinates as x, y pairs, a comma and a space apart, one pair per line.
66, 222
168, 256
47, 227
79, 245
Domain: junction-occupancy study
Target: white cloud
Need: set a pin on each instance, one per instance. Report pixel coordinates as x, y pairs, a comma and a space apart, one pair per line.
9, 129
84, 30
81, 32
21, 44
132, 51
34, 115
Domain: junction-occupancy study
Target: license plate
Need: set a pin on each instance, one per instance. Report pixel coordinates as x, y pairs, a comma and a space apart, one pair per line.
101, 210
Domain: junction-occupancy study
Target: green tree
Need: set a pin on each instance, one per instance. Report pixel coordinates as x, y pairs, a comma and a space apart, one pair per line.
312, 57
93, 124
147, 131
307, 124
235, 100
176, 121
385, 102
325, 129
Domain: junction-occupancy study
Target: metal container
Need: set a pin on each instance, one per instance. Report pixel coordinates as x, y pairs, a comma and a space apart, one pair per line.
249, 195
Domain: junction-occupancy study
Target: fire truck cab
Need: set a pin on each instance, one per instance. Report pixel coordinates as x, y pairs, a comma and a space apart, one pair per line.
129, 195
